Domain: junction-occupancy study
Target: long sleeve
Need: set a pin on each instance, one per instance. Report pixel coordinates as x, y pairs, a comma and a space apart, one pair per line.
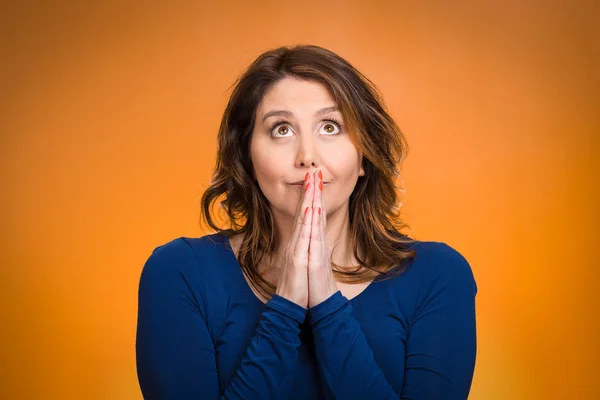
440, 351
175, 353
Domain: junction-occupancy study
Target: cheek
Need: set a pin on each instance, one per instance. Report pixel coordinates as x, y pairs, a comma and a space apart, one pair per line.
267, 167
262, 160
344, 163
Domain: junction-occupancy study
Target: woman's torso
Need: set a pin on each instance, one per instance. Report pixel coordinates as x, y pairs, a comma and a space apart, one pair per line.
382, 308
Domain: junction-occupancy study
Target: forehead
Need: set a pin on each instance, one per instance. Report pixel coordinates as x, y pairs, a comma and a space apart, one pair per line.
292, 93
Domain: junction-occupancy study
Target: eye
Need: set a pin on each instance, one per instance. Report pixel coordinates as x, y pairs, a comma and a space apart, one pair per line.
283, 128
330, 126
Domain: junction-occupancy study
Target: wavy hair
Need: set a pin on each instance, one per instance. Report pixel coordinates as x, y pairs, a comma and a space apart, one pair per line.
374, 203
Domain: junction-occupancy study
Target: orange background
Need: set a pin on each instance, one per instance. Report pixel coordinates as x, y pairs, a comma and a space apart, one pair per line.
108, 120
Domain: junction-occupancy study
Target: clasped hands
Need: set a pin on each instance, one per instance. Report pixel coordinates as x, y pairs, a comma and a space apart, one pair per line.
307, 277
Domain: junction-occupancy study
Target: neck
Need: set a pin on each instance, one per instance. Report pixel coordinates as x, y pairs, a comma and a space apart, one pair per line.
337, 232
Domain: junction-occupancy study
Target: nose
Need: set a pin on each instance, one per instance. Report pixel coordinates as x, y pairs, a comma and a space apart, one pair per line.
307, 152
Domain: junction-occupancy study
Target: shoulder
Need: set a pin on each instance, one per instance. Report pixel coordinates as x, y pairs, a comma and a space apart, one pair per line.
438, 265
181, 255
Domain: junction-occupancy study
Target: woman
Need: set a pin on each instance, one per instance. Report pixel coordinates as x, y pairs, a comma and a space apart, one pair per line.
312, 293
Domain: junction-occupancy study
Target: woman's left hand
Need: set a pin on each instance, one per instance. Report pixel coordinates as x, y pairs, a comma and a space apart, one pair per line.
321, 284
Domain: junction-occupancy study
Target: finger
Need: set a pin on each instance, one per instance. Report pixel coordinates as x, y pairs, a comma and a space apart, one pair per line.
319, 196
316, 247
323, 208
315, 251
319, 205
302, 244
305, 201
302, 194
324, 222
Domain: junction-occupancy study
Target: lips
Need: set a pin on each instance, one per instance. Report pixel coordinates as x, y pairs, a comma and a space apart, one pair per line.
300, 183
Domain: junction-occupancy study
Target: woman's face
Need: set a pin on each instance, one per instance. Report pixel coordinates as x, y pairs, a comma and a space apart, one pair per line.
295, 132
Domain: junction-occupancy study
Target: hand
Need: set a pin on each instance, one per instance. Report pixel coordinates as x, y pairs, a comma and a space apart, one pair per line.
321, 284
293, 280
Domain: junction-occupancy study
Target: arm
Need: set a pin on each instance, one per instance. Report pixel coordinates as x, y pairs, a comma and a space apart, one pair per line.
442, 343
175, 353
441, 347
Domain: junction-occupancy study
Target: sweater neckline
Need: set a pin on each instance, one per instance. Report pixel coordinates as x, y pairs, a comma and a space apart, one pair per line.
225, 241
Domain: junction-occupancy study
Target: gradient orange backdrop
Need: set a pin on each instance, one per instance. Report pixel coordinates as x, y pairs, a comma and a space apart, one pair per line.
109, 115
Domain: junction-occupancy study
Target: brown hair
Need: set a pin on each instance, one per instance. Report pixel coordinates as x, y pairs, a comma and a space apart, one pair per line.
374, 206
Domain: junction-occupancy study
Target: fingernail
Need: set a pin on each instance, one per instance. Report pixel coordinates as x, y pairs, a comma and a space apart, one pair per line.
319, 210
321, 185
307, 186
306, 176
305, 211
320, 175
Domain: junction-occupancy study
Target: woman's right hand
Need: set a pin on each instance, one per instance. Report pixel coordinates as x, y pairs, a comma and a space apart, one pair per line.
293, 280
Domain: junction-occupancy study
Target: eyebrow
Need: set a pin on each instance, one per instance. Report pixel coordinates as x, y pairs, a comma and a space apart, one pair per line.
286, 113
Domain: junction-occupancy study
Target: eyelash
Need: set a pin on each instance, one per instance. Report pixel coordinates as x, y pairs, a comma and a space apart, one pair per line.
331, 119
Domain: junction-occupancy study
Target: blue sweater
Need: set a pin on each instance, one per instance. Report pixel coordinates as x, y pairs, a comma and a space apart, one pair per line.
203, 334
